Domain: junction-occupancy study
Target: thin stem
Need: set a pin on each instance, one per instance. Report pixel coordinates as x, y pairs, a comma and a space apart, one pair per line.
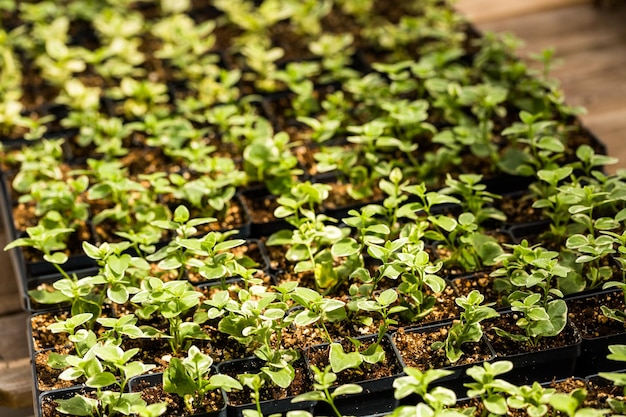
329, 400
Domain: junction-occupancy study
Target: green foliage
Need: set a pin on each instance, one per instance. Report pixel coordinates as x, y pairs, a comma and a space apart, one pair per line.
313, 244
539, 319
468, 328
105, 366
189, 378
324, 381
618, 353
491, 390
170, 300
531, 398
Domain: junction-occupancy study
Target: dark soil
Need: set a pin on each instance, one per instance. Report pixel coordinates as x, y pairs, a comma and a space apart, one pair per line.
506, 347
415, 349
302, 383
588, 318
153, 394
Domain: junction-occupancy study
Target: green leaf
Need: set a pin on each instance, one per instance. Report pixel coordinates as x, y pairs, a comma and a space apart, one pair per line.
557, 310
345, 247
56, 258
101, 380
48, 297
213, 272
297, 252
309, 396
225, 382
90, 250
282, 377
551, 143
347, 389
77, 406
305, 318
340, 360
496, 404
228, 244
576, 241
169, 264
176, 380
181, 214
118, 294
282, 237
446, 223
387, 297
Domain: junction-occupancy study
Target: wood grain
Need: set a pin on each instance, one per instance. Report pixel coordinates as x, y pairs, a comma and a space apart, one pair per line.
487, 10
15, 372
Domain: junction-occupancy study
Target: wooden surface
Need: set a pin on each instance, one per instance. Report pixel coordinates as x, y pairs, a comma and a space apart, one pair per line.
592, 44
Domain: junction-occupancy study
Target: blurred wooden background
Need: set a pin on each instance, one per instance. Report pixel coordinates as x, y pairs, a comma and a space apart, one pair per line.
590, 41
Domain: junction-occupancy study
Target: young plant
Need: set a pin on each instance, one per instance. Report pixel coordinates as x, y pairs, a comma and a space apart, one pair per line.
533, 268
492, 391
394, 209
104, 366
367, 283
571, 404
51, 241
554, 201
262, 59
180, 253
39, 162
62, 197
122, 327
210, 194
270, 161
486, 103
140, 96
184, 42
420, 281
468, 328
313, 244
317, 310
592, 255
341, 360
335, 51
590, 248
542, 148
474, 197
257, 321
131, 206
533, 399
385, 305
615, 313
437, 401
469, 248
189, 379
618, 353
78, 332
539, 319
171, 300
324, 381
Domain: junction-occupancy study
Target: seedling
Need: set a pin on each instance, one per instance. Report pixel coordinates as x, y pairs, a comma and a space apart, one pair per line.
171, 300
189, 379
468, 328
491, 390
618, 353
101, 366
324, 380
